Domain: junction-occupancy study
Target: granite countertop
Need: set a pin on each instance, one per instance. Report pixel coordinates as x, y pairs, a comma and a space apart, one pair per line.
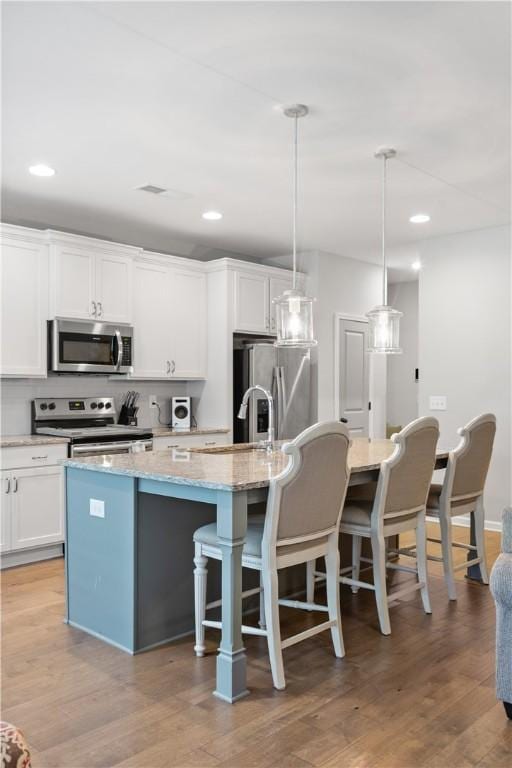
169, 432
223, 470
17, 441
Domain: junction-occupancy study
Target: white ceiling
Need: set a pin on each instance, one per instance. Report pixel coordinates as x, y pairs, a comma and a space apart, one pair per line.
184, 95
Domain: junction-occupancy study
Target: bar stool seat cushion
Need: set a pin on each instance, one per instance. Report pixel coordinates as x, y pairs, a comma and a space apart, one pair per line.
433, 497
207, 535
358, 513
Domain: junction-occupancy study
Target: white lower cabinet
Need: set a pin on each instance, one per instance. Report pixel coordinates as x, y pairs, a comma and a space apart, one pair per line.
33, 503
37, 500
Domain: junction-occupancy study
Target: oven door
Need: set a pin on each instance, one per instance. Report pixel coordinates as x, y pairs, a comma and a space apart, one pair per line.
109, 449
86, 347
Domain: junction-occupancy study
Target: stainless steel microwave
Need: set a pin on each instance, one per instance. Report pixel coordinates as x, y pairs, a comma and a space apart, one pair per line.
77, 346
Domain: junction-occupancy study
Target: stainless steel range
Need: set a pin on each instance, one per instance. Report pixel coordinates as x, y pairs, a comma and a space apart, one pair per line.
90, 423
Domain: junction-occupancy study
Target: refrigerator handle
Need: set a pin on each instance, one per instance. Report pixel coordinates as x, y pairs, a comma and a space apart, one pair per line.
281, 409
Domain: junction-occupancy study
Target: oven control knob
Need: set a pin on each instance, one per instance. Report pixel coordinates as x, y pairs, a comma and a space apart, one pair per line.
108, 405
43, 406
101, 405
94, 405
52, 406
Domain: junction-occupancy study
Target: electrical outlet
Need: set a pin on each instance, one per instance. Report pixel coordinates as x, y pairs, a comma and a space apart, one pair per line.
96, 508
437, 402
153, 403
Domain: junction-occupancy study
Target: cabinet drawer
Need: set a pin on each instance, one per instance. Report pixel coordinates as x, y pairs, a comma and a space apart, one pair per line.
32, 456
189, 441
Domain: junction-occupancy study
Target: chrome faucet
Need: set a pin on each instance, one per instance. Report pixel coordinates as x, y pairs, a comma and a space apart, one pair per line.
242, 413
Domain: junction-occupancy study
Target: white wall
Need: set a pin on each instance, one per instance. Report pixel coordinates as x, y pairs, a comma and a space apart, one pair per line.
402, 389
351, 287
465, 342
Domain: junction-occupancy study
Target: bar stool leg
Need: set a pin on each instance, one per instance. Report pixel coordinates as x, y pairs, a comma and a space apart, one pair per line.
356, 559
262, 621
200, 582
332, 570
379, 580
479, 515
310, 581
271, 595
446, 544
421, 561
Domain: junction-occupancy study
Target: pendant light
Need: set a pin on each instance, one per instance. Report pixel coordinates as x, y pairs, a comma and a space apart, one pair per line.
294, 310
384, 321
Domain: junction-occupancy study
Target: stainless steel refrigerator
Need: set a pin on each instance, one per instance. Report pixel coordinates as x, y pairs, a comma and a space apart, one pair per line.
286, 373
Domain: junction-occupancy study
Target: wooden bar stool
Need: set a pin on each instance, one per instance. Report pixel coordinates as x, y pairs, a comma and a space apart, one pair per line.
399, 506
301, 524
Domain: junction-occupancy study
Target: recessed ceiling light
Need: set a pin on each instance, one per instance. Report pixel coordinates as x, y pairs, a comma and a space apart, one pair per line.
212, 215
419, 218
41, 170
416, 265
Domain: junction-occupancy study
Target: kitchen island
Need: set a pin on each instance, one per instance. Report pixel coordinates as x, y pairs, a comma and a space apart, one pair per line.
130, 520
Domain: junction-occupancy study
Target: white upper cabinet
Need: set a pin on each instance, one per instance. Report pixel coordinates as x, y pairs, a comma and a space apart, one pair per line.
114, 288
73, 284
24, 304
187, 304
169, 320
278, 286
151, 321
89, 280
252, 302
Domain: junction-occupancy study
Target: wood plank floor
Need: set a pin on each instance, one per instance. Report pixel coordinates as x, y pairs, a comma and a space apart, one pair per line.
422, 697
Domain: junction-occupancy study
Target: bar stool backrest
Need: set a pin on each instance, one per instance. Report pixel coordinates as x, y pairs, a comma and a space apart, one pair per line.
469, 463
306, 499
405, 477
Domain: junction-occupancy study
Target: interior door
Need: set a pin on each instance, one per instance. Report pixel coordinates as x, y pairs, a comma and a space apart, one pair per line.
37, 497
352, 375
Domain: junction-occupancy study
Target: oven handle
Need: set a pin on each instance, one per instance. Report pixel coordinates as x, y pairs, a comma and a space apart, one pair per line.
105, 447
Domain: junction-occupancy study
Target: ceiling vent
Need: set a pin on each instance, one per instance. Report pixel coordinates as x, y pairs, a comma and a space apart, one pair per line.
173, 194
154, 190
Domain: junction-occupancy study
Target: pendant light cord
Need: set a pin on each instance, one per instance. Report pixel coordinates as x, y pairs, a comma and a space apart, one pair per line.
384, 266
295, 188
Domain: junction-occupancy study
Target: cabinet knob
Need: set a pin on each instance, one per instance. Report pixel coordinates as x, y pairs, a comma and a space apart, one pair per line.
173, 366
7, 484
15, 485
168, 366
100, 309
94, 308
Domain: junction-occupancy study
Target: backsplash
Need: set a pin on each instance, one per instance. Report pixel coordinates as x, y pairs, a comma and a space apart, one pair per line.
17, 394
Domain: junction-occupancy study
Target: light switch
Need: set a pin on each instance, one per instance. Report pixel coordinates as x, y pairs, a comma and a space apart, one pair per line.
437, 403
96, 508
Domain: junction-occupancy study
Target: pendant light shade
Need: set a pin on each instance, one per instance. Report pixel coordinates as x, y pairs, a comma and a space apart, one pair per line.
384, 321
294, 310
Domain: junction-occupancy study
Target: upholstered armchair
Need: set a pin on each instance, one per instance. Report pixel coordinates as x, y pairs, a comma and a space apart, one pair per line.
501, 588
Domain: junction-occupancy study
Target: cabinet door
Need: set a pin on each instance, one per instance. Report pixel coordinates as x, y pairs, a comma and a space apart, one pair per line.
114, 287
278, 286
73, 273
5, 511
151, 322
37, 498
24, 307
251, 302
187, 303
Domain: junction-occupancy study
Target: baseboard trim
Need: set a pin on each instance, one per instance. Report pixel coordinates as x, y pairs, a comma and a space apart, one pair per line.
27, 556
464, 522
